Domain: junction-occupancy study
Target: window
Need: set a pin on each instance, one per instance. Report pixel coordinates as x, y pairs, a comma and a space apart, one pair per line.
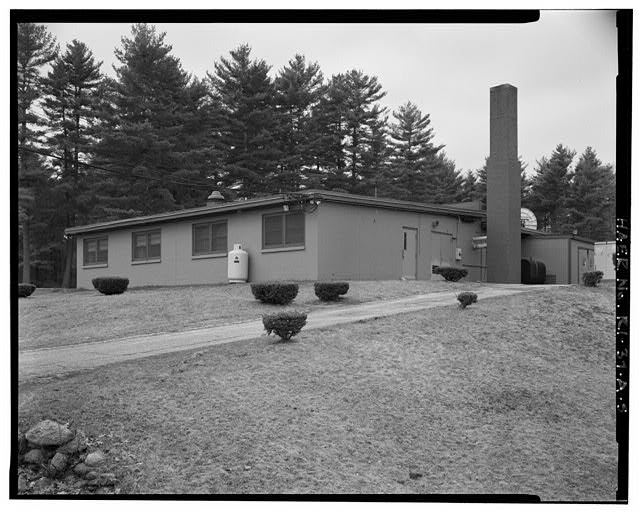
146, 245
95, 251
282, 230
210, 238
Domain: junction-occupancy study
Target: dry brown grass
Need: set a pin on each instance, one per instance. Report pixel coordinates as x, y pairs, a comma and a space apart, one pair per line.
55, 318
511, 395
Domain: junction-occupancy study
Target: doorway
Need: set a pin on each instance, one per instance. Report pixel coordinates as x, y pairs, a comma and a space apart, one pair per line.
409, 253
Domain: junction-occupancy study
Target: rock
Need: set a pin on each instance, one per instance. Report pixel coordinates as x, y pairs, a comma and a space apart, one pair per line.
94, 459
415, 475
80, 469
49, 432
106, 479
75, 446
34, 456
42, 485
22, 484
91, 476
58, 463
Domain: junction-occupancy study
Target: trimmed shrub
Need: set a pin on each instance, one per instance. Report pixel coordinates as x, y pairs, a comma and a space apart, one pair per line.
25, 289
466, 298
284, 324
111, 284
275, 293
451, 273
592, 278
330, 290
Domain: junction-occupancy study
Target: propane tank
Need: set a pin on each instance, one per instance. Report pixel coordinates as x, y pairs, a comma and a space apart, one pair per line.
238, 265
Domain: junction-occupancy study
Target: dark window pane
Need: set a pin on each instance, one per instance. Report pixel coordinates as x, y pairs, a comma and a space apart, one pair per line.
90, 251
103, 251
219, 234
201, 238
140, 246
154, 245
273, 231
295, 228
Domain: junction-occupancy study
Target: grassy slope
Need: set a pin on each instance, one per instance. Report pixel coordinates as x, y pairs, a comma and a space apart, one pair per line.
512, 395
50, 319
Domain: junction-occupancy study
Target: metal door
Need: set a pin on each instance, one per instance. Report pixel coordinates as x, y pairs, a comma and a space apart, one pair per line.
585, 262
409, 253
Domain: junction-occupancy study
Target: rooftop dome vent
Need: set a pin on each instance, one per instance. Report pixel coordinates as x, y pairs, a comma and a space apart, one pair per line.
214, 198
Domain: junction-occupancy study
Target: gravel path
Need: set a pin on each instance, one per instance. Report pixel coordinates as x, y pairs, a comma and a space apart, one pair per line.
61, 360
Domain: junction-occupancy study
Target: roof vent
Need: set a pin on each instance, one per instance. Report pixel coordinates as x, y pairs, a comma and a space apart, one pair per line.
214, 198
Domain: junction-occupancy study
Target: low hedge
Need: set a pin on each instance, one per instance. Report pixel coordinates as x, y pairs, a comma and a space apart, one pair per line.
592, 278
451, 273
330, 290
25, 289
284, 324
275, 293
110, 284
466, 298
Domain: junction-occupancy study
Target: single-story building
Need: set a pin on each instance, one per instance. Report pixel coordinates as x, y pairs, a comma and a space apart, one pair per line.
605, 254
310, 235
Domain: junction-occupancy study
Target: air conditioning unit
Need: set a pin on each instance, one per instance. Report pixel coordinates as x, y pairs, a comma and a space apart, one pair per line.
458, 253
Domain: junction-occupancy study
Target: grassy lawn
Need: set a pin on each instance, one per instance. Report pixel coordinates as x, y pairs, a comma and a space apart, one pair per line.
511, 395
52, 318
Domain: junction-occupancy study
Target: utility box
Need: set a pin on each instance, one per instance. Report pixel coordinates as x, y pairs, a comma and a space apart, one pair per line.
238, 265
458, 253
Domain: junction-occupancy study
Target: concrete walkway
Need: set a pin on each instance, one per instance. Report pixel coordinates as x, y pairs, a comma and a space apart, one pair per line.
60, 360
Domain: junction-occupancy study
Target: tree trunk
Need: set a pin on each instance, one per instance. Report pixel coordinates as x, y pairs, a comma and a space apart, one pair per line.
68, 260
26, 253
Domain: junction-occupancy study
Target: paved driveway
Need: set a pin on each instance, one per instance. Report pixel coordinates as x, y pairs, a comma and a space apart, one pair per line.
59, 360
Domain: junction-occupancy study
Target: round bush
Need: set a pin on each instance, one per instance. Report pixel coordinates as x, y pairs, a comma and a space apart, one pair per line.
25, 289
466, 298
284, 324
592, 278
451, 273
275, 293
111, 284
330, 290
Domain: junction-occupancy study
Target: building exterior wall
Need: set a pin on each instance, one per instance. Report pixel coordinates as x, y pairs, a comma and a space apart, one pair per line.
553, 253
178, 266
604, 252
364, 243
578, 266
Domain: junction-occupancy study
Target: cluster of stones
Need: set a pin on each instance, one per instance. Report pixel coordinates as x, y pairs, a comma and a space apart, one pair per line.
51, 451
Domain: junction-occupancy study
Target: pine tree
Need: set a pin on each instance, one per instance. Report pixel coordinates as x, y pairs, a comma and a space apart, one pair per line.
441, 183
549, 190
591, 201
246, 93
354, 131
156, 132
35, 48
70, 111
469, 187
298, 89
413, 152
481, 184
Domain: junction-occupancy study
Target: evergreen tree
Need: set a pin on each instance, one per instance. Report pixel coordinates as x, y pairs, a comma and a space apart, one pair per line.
156, 132
246, 94
35, 48
591, 200
354, 132
70, 111
549, 190
469, 187
298, 90
413, 152
442, 183
481, 184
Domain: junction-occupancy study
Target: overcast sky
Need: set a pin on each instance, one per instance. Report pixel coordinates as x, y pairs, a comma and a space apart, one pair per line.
564, 67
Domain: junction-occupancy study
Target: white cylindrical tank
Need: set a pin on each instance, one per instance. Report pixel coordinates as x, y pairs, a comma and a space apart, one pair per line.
238, 265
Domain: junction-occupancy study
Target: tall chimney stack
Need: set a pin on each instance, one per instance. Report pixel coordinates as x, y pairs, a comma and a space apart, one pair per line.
503, 188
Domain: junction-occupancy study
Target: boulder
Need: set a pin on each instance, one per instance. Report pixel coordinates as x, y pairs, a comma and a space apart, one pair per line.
80, 469
22, 444
23, 484
94, 459
34, 456
91, 476
58, 463
106, 479
49, 432
75, 446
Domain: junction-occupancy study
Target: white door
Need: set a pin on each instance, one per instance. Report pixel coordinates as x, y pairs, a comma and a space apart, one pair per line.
409, 253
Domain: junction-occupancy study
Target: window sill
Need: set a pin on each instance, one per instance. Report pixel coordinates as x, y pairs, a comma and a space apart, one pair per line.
285, 248
94, 266
139, 262
209, 255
